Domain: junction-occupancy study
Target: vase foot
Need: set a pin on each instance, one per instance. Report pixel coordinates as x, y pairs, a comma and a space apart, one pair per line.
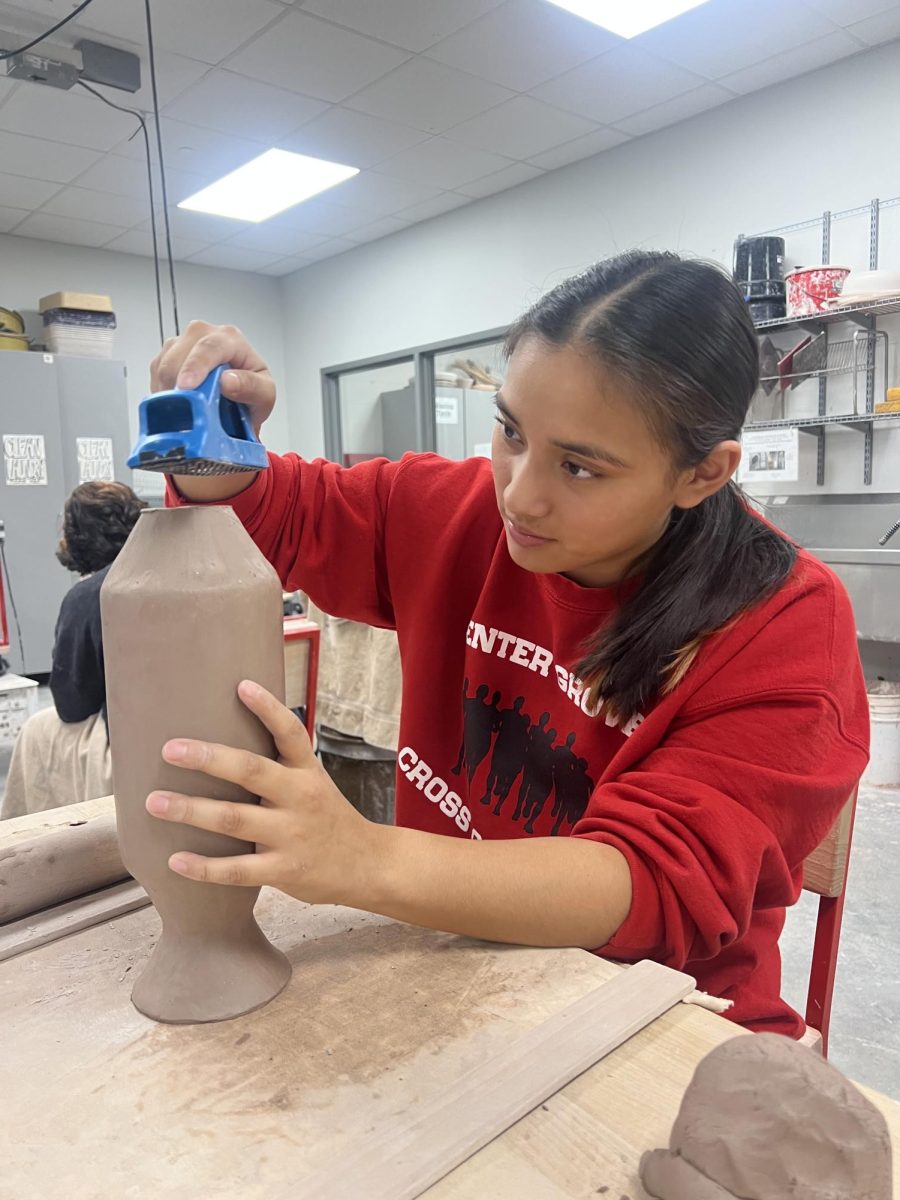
192, 979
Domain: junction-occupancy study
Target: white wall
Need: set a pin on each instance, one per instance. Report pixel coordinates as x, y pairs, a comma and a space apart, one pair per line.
31, 269
828, 140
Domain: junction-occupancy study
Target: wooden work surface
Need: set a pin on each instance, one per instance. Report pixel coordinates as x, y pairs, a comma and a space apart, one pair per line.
103, 1103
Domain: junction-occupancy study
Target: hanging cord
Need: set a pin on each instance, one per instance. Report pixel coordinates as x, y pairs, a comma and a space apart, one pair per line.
4, 54
139, 116
12, 599
162, 165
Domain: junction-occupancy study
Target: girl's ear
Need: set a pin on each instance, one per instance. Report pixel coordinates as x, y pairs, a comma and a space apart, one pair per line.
709, 476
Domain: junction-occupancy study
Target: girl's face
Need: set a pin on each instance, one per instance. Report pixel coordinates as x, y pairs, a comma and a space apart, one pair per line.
583, 487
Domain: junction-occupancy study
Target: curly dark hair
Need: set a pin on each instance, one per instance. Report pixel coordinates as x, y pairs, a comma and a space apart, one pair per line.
97, 520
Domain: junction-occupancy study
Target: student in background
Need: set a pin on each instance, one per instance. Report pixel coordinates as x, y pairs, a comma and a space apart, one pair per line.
62, 753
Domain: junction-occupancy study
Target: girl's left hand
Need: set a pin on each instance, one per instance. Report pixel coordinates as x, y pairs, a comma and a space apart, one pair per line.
311, 842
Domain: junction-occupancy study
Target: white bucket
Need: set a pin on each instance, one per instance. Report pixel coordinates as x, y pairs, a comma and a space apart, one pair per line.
884, 710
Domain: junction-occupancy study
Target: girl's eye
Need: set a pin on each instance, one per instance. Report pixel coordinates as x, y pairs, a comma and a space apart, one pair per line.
509, 431
578, 472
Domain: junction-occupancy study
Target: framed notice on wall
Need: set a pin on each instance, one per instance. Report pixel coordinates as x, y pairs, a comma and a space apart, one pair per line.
769, 454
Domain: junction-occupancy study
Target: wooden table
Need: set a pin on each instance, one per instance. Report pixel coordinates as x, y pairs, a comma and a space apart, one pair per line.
102, 1104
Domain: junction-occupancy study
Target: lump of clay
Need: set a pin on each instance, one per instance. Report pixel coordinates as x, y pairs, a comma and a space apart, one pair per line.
765, 1118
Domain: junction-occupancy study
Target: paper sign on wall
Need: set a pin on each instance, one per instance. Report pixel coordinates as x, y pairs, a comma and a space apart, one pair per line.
95, 459
446, 410
26, 459
768, 454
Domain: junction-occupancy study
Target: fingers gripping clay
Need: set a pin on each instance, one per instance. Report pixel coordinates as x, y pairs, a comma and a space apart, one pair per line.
765, 1118
190, 608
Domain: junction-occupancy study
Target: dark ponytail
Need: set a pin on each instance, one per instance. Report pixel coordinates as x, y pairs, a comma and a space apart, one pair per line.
678, 336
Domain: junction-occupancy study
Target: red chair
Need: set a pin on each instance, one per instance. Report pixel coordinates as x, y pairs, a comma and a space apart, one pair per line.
825, 874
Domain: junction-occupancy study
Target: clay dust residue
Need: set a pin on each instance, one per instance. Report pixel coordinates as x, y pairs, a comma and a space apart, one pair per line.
362, 1003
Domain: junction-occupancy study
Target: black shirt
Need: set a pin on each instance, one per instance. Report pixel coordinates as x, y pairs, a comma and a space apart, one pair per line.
77, 679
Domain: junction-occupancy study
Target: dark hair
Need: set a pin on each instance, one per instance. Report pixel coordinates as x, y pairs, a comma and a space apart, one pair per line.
678, 335
97, 520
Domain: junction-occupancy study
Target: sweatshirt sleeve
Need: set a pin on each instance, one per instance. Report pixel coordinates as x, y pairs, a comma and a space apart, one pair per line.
322, 527
718, 817
77, 677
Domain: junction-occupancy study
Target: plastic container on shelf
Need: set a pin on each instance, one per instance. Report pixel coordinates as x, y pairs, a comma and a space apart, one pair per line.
884, 711
810, 290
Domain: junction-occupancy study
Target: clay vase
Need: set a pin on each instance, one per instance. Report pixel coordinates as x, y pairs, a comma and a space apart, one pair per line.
190, 608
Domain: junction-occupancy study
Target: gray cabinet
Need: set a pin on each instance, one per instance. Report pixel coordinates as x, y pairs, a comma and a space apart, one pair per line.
46, 404
93, 411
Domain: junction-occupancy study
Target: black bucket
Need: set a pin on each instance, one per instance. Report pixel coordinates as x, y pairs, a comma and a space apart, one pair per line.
759, 267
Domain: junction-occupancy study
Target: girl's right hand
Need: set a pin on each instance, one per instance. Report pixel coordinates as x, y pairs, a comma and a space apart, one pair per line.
185, 361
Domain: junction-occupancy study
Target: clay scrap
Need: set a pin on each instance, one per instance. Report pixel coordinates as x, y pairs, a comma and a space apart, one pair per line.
765, 1118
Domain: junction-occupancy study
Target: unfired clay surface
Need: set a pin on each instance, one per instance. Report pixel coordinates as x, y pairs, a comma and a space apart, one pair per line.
190, 608
765, 1118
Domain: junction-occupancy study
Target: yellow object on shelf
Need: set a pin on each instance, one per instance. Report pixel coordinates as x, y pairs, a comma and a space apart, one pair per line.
11, 321
890, 403
83, 300
13, 341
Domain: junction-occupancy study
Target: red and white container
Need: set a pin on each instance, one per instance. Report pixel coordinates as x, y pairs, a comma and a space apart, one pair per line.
812, 290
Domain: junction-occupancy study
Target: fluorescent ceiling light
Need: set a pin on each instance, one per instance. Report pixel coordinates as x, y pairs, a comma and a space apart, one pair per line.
267, 185
628, 18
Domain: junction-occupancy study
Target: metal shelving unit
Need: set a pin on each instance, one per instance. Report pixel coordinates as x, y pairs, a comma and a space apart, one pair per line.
863, 315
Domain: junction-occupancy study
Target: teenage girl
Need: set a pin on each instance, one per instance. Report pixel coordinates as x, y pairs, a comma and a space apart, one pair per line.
658, 697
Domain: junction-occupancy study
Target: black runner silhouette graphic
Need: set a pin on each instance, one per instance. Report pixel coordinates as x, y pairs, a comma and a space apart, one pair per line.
572, 784
526, 749
537, 776
509, 753
480, 720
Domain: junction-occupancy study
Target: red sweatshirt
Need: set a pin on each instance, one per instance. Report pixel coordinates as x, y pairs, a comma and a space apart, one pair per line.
715, 794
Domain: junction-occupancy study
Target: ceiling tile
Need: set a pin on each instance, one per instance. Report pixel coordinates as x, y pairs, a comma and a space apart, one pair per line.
128, 177
354, 138
707, 96
285, 266
174, 73
16, 191
10, 218
329, 249
200, 227
583, 147
725, 36
137, 241
509, 177
412, 24
791, 63
443, 164
377, 195
64, 229
429, 96
322, 217
43, 160
73, 118
204, 152
233, 258
624, 81
444, 203
849, 12
521, 128
277, 237
89, 205
307, 55
208, 32
523, 43
882, 27
377, 229
244, 107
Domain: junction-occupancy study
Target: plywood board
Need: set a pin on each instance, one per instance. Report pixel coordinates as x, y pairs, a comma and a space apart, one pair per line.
424, 1146
378, 1021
